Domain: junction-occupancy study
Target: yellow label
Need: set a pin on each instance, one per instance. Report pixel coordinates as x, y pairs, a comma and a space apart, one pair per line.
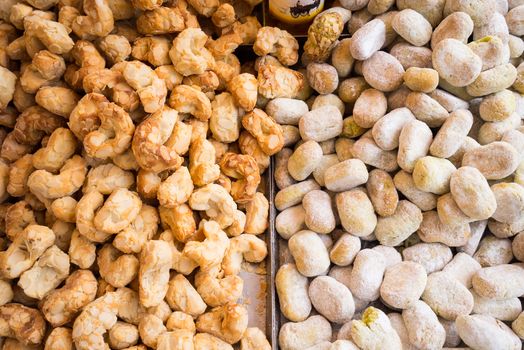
295, 11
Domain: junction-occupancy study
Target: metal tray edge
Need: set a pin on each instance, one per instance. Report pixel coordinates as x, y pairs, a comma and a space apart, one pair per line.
272, 309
